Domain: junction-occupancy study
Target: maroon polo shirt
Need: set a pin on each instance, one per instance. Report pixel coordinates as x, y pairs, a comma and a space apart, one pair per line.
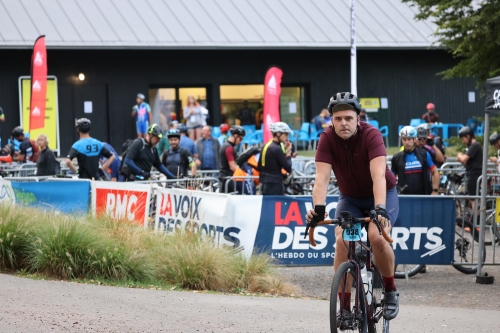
350, 159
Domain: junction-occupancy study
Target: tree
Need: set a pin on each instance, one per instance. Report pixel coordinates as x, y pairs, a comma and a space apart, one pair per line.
469, 29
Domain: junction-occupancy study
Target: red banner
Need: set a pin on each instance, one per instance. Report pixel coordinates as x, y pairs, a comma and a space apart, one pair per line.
38, 84
272, 92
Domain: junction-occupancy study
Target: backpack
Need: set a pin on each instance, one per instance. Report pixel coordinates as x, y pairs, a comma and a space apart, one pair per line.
36, 152
125, 147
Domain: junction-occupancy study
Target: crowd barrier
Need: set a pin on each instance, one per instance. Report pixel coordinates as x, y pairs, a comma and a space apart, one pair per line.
423, 233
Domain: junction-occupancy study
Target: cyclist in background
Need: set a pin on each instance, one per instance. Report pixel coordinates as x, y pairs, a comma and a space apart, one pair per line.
275, 156
426, 141
142, 156
355, 152
411, 165
495, 142
28, 152
176, 159
224, 128
87, 151
473, 159
227, 153
113, 171
142, 113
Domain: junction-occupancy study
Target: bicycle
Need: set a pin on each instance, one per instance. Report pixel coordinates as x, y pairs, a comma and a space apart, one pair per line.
367, 313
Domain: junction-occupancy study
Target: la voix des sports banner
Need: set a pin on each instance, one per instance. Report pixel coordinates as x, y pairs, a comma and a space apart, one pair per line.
39, 84
272, 93
51, 124
122, 201
230, 220
423, 233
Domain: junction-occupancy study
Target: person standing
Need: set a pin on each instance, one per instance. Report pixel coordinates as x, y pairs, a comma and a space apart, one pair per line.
224, 128
430, 116
208, 150
319, 120
472, 159
495, 142
245, 115
412, 166
355, 152
187, 143
87, 151
142, 113
227, 155
275, 156
46, 165
194, 118
177, 160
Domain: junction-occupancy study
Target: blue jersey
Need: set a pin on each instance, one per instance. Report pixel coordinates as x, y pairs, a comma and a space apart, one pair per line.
141, 112
87, 152
414, 176
188, 144
115, 166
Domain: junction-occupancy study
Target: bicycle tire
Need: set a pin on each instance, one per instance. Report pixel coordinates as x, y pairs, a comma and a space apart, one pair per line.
376, 304
359, 323
490, 223
412, 271
466, 248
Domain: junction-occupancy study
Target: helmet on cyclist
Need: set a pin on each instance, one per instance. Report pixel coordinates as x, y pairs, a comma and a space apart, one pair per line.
466, 131
280, 127
17, 132
408, 132
173, 133
421, 132
238, 130
141, 96
83, 125
182, 128
155, 130
494, 138
344, 101
224, 128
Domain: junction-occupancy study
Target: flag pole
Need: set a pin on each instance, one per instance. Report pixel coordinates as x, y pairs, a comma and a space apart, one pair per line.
354, 84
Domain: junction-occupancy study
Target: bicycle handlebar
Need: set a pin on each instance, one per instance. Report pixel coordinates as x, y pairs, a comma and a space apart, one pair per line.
340, 221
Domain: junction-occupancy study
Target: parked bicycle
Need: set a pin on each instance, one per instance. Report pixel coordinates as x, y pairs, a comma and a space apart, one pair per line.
361, 279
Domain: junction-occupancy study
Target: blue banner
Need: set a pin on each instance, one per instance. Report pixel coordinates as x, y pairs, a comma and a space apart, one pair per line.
65, 197
423, 233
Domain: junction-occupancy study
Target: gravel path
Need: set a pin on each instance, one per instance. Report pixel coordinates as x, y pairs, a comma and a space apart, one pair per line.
441, 286
54, 306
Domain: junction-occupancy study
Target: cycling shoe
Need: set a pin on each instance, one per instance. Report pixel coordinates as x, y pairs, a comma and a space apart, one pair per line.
391, 304
344, 320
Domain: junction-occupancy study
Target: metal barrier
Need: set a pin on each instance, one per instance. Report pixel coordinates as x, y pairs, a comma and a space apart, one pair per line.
457, 166
207, 184
22, 179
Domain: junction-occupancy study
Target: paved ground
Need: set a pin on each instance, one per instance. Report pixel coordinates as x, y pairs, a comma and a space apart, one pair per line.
53, 306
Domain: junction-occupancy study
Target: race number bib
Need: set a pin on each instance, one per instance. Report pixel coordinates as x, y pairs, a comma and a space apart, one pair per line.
353, 234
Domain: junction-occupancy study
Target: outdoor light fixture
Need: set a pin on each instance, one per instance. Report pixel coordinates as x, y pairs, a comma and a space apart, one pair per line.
81, 76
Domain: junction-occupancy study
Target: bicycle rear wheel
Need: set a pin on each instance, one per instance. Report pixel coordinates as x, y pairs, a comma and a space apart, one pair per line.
491, 233
376, 321
352, 318
466, 248
399, 270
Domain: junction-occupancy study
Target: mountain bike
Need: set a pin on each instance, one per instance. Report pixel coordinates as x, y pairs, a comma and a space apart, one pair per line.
366, 289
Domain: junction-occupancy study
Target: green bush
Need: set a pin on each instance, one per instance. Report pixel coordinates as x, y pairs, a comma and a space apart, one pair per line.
86, 248
14, 237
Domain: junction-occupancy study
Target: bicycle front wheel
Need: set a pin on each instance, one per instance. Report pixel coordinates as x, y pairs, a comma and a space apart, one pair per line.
466, 253
412, 270
347, 303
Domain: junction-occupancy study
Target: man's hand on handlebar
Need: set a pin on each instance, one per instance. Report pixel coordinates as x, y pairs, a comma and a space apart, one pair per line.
382, 217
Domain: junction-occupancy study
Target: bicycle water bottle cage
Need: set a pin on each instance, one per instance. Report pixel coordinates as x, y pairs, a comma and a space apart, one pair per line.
347, 220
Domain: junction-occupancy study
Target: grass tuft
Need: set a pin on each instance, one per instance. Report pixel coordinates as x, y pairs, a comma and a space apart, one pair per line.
14, 237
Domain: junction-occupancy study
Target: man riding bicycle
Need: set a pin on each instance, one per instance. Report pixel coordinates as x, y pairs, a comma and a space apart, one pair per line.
142, 155
355, 151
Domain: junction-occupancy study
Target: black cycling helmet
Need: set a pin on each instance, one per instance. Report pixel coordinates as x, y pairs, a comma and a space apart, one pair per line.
237, 130
17, 132
83, 125
344, 101
494, 138
466, 131
182, 128
421, 132
173, 133
155, 130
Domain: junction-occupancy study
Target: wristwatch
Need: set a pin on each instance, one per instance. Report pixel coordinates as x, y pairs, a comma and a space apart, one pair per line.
435, 190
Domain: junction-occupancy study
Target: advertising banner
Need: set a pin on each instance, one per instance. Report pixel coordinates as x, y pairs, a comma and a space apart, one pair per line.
423, 233
70, 197
272, 92
493, 95
6, 193
230, 220
51, 125
39, 86
123, 201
